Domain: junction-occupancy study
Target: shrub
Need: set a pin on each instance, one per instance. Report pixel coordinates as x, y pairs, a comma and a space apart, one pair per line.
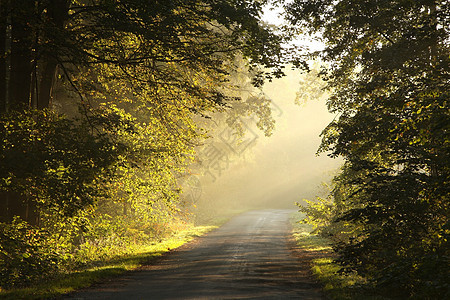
24, 255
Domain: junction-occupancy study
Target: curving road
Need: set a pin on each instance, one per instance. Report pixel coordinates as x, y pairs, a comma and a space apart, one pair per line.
247, 258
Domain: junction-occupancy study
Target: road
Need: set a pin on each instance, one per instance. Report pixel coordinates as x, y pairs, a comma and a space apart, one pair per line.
250, 257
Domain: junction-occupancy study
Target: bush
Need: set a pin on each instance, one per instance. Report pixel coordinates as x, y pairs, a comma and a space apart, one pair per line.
24, 255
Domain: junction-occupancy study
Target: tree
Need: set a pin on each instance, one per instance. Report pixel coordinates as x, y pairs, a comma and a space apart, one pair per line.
99, 109
161, 61
389, 73
132, 35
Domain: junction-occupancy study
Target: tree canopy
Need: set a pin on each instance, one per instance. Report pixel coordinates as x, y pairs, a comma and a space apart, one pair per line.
389, 77
100, 103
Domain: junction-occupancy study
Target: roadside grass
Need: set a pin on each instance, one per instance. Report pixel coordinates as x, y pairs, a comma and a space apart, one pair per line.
335, 285
105, 269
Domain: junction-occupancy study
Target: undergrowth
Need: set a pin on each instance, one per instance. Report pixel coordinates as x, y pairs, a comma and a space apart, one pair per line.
109, 266
335, 285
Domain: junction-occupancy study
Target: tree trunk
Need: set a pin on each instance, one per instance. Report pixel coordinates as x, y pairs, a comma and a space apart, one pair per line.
3, 19
21, 44
57, 15
44, 99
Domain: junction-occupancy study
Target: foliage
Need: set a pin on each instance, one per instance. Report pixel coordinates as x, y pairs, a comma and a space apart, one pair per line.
81, 192
389, 77
336, 285
54, 162
319, 213
119, 89
111, 265
311, 85
24, 254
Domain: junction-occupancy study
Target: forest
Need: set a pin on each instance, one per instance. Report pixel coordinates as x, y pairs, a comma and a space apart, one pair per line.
107, 108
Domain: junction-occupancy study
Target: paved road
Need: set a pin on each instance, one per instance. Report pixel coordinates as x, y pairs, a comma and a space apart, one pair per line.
247, 258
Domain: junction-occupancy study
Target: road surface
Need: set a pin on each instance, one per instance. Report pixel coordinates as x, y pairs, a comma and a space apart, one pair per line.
250, 257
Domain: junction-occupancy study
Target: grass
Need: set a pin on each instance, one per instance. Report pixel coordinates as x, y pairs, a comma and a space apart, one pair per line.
325, 270
66, 283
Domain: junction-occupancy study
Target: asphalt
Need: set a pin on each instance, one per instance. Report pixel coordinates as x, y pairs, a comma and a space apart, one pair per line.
250, 257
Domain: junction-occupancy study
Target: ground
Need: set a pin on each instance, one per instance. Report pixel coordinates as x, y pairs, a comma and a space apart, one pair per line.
251, 256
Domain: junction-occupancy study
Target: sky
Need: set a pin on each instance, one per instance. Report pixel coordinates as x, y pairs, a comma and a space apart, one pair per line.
274, 16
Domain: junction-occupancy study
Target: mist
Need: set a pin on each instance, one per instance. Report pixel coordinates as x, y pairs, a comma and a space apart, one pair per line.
275, 171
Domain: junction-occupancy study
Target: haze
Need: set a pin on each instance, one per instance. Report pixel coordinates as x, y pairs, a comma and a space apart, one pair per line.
278, 170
